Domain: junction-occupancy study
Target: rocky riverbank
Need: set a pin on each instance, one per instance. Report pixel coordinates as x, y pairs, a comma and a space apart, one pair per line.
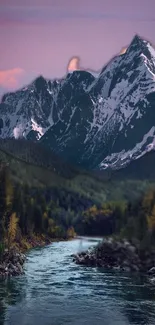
11, 263
119, 255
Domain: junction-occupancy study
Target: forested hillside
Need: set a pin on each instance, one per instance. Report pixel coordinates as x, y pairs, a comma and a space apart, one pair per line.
42, 203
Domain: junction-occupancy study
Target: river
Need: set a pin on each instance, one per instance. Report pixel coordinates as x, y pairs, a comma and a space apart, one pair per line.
55, 291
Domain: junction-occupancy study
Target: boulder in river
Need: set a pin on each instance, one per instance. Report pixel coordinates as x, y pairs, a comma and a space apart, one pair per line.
118, 255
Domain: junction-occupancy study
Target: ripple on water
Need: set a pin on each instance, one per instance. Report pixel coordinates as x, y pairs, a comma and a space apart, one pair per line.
56, 291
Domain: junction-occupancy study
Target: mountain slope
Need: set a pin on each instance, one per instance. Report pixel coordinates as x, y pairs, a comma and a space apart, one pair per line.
92, 122
141, 169
30, 111
27, 165
37, 155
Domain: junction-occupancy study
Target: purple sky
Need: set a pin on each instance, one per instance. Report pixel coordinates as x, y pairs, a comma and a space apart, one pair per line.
40, 36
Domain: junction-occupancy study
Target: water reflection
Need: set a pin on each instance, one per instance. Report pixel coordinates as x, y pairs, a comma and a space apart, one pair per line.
133, 296
11, 293
2, 312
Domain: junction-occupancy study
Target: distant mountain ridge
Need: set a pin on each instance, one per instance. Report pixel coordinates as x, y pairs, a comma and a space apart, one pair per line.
37, 155
31, 163
94, 122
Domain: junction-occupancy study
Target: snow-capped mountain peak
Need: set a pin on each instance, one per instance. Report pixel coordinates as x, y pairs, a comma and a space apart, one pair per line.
108, 118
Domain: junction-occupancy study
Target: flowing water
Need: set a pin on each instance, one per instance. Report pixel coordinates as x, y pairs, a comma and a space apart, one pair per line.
55, 291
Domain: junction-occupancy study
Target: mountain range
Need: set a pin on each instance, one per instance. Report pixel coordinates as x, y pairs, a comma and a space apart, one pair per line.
96, 122
32, 165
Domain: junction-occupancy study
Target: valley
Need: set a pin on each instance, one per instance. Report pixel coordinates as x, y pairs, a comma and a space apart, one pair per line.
77, 159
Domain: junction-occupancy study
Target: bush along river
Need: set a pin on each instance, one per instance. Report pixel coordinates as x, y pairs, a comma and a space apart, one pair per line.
56, 291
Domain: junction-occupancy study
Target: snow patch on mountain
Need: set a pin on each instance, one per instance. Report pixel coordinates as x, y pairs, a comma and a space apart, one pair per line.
37, 128
18, 132
122, 158
90, 113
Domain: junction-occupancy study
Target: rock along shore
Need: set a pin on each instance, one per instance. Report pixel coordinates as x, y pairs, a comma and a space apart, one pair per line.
11, 263
119, 255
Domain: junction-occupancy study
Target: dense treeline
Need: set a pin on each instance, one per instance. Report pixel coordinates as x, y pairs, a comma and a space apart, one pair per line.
55, 212
96, 221
38, 155
132, 220
138, 220
27, 210
59, 213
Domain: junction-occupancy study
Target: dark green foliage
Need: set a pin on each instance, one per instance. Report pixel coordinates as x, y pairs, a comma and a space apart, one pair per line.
54, 211
36, 154
137, 221
47, 203
1, 250
39, 210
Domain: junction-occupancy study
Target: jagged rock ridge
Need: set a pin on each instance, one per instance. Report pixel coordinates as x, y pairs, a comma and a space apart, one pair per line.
95, 122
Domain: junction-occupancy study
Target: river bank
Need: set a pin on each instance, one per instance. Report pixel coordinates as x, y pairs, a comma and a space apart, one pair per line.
12, 260
54, 290
119, 255
11, 263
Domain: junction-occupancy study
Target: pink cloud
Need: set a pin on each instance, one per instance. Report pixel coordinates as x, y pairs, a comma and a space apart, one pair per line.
11, 78
73, 64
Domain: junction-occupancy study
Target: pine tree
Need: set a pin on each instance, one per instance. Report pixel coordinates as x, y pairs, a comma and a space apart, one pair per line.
45, 221
70, 232
2, 205
12, 229
6, 199
151, 219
